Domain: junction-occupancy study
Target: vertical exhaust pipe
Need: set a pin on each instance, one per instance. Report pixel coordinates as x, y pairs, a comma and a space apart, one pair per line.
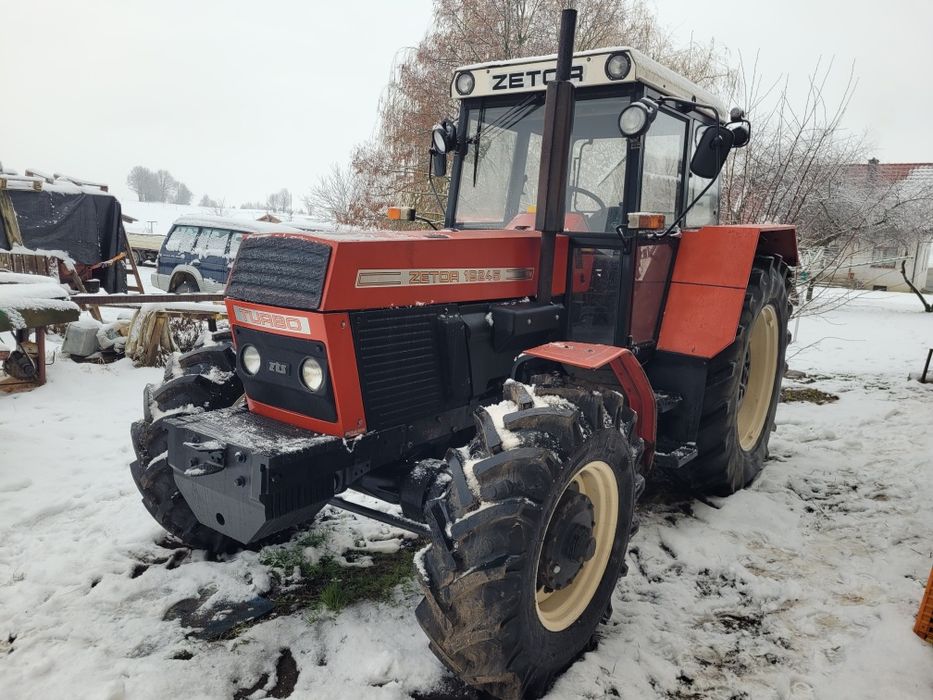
555, 155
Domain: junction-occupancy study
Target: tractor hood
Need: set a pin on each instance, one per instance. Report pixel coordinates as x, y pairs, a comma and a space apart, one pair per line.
380, 269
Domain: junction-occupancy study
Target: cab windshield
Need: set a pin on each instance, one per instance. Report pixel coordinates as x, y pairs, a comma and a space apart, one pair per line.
499, 178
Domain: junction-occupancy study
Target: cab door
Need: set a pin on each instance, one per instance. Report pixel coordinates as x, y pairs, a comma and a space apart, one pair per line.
212, 255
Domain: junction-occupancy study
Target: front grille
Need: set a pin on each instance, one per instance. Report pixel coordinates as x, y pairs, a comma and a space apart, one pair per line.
398, 363
278, 381
283, 271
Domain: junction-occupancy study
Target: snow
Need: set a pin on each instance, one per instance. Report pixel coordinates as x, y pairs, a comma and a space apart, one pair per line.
7, 277
20, 292
160, 216
802, 586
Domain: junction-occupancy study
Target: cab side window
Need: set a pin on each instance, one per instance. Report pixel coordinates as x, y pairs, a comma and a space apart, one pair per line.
236, 237
182, 239
213, 241
664, 165
706, 211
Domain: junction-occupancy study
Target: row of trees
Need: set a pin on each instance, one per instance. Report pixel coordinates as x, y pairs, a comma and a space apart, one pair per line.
278, 202
158, 186
161, 186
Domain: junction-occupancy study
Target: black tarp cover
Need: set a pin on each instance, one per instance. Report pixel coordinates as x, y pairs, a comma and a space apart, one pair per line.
88, 227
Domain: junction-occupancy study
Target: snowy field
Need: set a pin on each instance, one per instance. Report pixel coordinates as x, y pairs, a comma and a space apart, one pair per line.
803, 586
158, 217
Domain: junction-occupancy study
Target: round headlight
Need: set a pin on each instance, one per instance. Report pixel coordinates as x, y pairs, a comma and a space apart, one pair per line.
633, 120
440, 140
251, 359
312, 374
465, 83
617, 66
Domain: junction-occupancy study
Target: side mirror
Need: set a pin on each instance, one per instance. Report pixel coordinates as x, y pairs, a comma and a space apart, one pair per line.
712, 151
443, 140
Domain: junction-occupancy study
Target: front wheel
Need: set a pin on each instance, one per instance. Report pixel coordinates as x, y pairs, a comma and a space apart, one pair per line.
201, 380
528, 542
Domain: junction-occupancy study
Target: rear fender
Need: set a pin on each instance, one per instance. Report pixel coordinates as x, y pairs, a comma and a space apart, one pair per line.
710, 276
179, 272
627, 371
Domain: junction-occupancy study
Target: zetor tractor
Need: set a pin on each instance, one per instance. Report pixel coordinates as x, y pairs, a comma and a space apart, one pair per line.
509, 381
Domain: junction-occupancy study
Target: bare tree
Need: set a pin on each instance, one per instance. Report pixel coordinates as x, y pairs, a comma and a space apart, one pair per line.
800, 167
144, 183
338, 197
280, 201
393, 166
220, 207
166, 185
182, 194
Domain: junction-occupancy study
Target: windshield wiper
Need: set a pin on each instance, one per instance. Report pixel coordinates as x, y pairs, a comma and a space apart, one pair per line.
492, 130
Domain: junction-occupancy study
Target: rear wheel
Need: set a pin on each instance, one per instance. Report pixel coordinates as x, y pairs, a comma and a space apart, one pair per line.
186, 287
201, 380
528, 541
743, 387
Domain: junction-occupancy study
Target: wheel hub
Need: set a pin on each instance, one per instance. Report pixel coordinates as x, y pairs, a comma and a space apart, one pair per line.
569, 542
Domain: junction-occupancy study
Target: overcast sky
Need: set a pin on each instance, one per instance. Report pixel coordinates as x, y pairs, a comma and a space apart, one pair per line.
240, 98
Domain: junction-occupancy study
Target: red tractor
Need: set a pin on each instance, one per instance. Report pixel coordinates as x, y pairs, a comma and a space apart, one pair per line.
510, 380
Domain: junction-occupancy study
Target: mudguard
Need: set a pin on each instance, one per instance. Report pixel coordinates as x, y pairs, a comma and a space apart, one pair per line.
708, 284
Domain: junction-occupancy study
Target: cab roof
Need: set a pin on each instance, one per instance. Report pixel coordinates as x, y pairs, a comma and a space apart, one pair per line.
588, 69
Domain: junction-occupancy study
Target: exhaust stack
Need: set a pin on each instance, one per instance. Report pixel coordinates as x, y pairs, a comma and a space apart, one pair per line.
555, 154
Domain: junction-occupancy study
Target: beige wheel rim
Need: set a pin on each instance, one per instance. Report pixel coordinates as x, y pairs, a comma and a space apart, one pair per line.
558, 610
759, 370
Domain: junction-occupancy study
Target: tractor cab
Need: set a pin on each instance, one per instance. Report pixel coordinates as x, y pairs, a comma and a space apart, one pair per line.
637, 129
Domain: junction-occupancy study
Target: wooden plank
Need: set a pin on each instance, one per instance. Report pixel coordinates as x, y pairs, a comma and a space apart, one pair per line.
138, 287
34, 318
129, 299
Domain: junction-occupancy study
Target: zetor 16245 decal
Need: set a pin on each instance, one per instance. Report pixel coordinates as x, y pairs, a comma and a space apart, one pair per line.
614, 327
408, 278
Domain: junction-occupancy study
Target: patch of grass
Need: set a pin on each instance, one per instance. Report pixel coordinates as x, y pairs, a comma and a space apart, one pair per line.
329, 584
285, 558
792, 394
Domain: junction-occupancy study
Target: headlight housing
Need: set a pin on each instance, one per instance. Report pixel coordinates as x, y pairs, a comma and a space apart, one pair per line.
637, 117
251, 359
312, 374
464, 83
617, 66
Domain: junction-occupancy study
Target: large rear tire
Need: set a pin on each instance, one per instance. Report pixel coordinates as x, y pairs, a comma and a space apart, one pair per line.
527, 543
743, 387
201, 380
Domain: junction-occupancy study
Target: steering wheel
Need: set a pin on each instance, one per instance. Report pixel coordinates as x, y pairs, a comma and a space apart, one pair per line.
591, 195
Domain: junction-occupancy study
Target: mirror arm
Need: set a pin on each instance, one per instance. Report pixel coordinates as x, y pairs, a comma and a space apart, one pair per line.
691, 104
683, 214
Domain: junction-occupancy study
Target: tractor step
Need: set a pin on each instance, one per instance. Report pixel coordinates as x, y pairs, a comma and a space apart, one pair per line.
666, 402
676, 457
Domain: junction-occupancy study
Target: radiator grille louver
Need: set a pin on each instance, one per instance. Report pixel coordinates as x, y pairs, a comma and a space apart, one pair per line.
397, 358
282, 271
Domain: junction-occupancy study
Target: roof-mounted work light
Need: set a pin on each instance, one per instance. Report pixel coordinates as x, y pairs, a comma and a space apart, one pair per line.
464, 83
618, 66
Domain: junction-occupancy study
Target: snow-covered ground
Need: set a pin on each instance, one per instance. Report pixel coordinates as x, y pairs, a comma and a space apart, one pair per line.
803, 586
